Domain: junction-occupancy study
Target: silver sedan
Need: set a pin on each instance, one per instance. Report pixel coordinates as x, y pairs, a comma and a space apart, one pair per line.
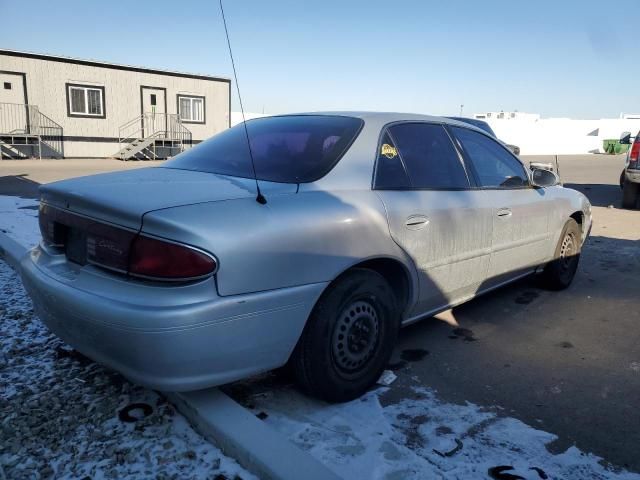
182, 277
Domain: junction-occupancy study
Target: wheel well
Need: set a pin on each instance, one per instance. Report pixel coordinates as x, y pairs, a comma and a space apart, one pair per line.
579, 218
395, 273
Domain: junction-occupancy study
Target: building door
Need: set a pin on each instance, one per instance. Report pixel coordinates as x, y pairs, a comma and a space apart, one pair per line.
153, 109
12, 88
13, 114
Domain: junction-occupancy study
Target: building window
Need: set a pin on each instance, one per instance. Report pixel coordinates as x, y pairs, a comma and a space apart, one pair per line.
7, 85
191, 108
85, 101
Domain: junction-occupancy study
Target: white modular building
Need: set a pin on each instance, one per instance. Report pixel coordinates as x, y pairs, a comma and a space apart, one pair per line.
52, 106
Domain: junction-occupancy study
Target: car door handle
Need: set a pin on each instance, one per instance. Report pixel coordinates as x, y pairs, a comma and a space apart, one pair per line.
416, 222
504, 212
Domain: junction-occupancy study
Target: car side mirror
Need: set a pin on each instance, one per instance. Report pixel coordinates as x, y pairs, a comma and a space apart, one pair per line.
544, 178
625, 138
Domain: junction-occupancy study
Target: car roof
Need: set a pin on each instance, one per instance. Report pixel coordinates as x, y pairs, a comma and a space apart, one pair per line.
381, 117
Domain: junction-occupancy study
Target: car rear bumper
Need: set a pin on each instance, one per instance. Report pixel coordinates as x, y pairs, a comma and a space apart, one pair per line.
172, 347
632, 175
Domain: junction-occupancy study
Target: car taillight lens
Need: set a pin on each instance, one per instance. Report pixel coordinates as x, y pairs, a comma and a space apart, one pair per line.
153, 258
109, 246
85, 240
635, 153
50, 230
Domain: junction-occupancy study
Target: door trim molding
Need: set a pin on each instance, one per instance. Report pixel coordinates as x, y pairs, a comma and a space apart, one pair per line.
24, 83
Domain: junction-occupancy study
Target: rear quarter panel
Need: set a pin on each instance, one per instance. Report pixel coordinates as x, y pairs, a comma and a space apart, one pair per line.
295, 239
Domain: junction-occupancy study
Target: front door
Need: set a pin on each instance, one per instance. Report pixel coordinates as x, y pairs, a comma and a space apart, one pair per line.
434, 215
154, 108
520, 213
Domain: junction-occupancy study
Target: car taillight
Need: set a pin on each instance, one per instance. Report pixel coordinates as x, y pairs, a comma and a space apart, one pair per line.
158, 259
635, 153
50, 230
109, 246
85, 240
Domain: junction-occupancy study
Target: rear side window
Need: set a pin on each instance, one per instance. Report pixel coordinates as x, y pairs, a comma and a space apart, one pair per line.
390, 170
494, 166
287, 149
430, 159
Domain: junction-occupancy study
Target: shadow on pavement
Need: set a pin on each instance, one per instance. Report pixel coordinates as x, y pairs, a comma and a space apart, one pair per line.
19, 186
551, 359
600, 195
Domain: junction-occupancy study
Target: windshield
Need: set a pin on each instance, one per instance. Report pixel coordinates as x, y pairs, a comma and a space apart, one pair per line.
286, 149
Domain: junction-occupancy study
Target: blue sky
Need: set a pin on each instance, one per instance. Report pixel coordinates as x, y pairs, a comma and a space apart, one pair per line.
558, 58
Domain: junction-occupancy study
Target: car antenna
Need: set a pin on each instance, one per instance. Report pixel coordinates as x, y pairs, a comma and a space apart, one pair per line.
259, 198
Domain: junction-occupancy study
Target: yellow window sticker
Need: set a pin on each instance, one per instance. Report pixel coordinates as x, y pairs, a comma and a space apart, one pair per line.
388, 151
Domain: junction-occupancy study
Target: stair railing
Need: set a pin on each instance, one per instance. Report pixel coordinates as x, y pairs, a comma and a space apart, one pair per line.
18, 119
161, 126
50, 133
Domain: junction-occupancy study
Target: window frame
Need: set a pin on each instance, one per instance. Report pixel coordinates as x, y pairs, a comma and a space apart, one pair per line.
385, 129
471, 167
192, 97
85, 87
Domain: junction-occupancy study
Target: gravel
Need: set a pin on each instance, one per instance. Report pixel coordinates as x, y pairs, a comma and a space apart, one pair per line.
59, 412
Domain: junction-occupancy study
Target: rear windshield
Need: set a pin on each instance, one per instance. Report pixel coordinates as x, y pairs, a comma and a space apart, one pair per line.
287, 149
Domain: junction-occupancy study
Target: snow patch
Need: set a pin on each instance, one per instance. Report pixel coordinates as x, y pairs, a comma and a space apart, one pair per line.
420, 437
19, 220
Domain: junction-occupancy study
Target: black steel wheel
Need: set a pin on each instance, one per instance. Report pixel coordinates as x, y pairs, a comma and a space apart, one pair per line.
558, 274
348, 338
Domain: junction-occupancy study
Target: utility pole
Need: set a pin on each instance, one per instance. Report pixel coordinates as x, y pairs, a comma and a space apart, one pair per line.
461, 107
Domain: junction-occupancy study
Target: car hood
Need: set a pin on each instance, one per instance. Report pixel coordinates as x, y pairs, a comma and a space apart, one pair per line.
124, 197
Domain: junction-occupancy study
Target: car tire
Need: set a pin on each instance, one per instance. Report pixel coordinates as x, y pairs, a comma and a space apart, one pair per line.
629, 194
558, 274
348, 339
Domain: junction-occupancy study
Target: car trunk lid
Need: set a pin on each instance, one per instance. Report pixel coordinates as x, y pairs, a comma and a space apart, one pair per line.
122, 198
95, 219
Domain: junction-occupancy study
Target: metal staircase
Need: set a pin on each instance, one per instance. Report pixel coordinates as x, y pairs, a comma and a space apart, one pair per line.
152, 136
8, 150
26, 132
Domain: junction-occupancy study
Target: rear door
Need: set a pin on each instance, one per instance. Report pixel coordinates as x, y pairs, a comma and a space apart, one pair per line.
520, 212
434, 215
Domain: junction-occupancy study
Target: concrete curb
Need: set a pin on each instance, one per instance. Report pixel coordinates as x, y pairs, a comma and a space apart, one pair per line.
11, 251
240, 434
